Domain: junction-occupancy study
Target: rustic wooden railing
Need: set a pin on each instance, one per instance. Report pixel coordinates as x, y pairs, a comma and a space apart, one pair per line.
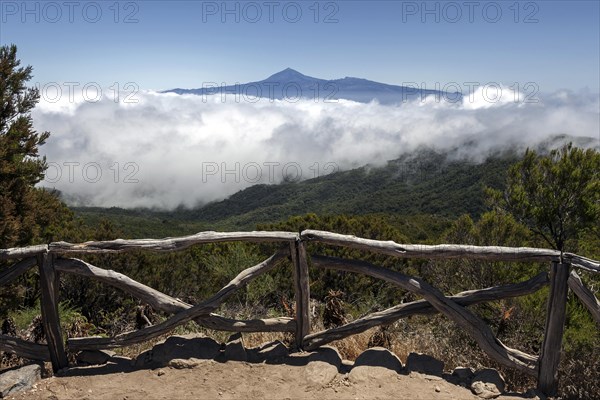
54, 259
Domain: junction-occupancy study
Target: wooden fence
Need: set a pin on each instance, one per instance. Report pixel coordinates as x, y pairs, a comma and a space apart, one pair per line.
55, 258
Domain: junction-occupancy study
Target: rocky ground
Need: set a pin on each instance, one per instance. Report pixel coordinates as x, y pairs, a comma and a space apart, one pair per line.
198, 368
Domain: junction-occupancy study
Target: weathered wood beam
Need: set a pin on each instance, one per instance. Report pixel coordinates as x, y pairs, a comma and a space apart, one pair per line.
200, 310
171, 244
162, 302
9, 274
587, 297
555, 325
153, 297
302, 291
442, 251
23, 252
49, 284
582, 262
473, 325
278, 324
399, 311
23, 348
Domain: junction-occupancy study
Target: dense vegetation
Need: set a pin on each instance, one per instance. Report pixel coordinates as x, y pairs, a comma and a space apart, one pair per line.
426, 197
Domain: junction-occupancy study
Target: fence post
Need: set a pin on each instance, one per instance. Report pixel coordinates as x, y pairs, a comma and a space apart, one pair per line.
554, 328
302, 291
49, 284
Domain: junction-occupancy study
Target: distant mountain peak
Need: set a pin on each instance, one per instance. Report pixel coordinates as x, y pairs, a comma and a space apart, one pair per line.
287, 74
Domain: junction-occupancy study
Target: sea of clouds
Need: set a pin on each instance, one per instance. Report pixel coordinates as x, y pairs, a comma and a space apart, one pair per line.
164, 150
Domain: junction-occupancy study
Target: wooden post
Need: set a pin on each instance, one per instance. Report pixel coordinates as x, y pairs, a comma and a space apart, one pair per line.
302, 290
555, 324
49, 284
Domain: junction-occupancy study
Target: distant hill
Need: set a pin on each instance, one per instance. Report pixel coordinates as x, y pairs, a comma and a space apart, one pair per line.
423, 183
290, 84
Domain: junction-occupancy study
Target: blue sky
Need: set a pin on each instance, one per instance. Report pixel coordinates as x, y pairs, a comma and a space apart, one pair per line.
161, 45
148, 149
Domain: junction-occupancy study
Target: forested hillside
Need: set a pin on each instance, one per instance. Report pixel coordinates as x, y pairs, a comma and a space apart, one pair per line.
424, 183
439, 185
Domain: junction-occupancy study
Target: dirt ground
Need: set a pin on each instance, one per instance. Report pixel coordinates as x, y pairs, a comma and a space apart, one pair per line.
234, 380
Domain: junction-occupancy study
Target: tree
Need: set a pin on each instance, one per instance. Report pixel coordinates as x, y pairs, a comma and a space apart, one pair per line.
26, 213
557, 196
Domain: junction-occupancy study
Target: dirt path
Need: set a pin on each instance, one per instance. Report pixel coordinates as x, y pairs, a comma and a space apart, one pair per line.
234, 380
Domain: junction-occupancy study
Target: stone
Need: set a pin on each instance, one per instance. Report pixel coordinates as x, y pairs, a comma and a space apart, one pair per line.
187, 346
379, 357
184, 363
179, 347
297, 358
270, 352
326, 354
366, 374
376, 363
143, 359
346, 366
18, 380
319, 373
120, 360
487, 383
94, 357
424, 364
535, 394
234, 349
463, 374
323, 366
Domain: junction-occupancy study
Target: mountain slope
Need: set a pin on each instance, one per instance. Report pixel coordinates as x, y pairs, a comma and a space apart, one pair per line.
426, 183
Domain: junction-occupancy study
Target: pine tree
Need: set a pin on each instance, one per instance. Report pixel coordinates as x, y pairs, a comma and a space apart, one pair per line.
23, 208
557, 196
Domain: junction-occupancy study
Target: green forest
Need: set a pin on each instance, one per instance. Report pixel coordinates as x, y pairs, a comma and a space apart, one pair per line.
546, 197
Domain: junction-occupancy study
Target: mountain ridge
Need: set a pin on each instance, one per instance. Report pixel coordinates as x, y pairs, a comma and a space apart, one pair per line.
291, 85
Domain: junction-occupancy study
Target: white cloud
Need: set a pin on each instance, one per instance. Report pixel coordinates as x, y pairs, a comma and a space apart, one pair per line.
168, 150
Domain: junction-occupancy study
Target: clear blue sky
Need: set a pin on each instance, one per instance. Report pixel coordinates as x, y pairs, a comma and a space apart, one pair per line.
555, 44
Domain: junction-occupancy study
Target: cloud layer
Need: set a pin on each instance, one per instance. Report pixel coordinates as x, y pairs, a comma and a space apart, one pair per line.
167, 150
